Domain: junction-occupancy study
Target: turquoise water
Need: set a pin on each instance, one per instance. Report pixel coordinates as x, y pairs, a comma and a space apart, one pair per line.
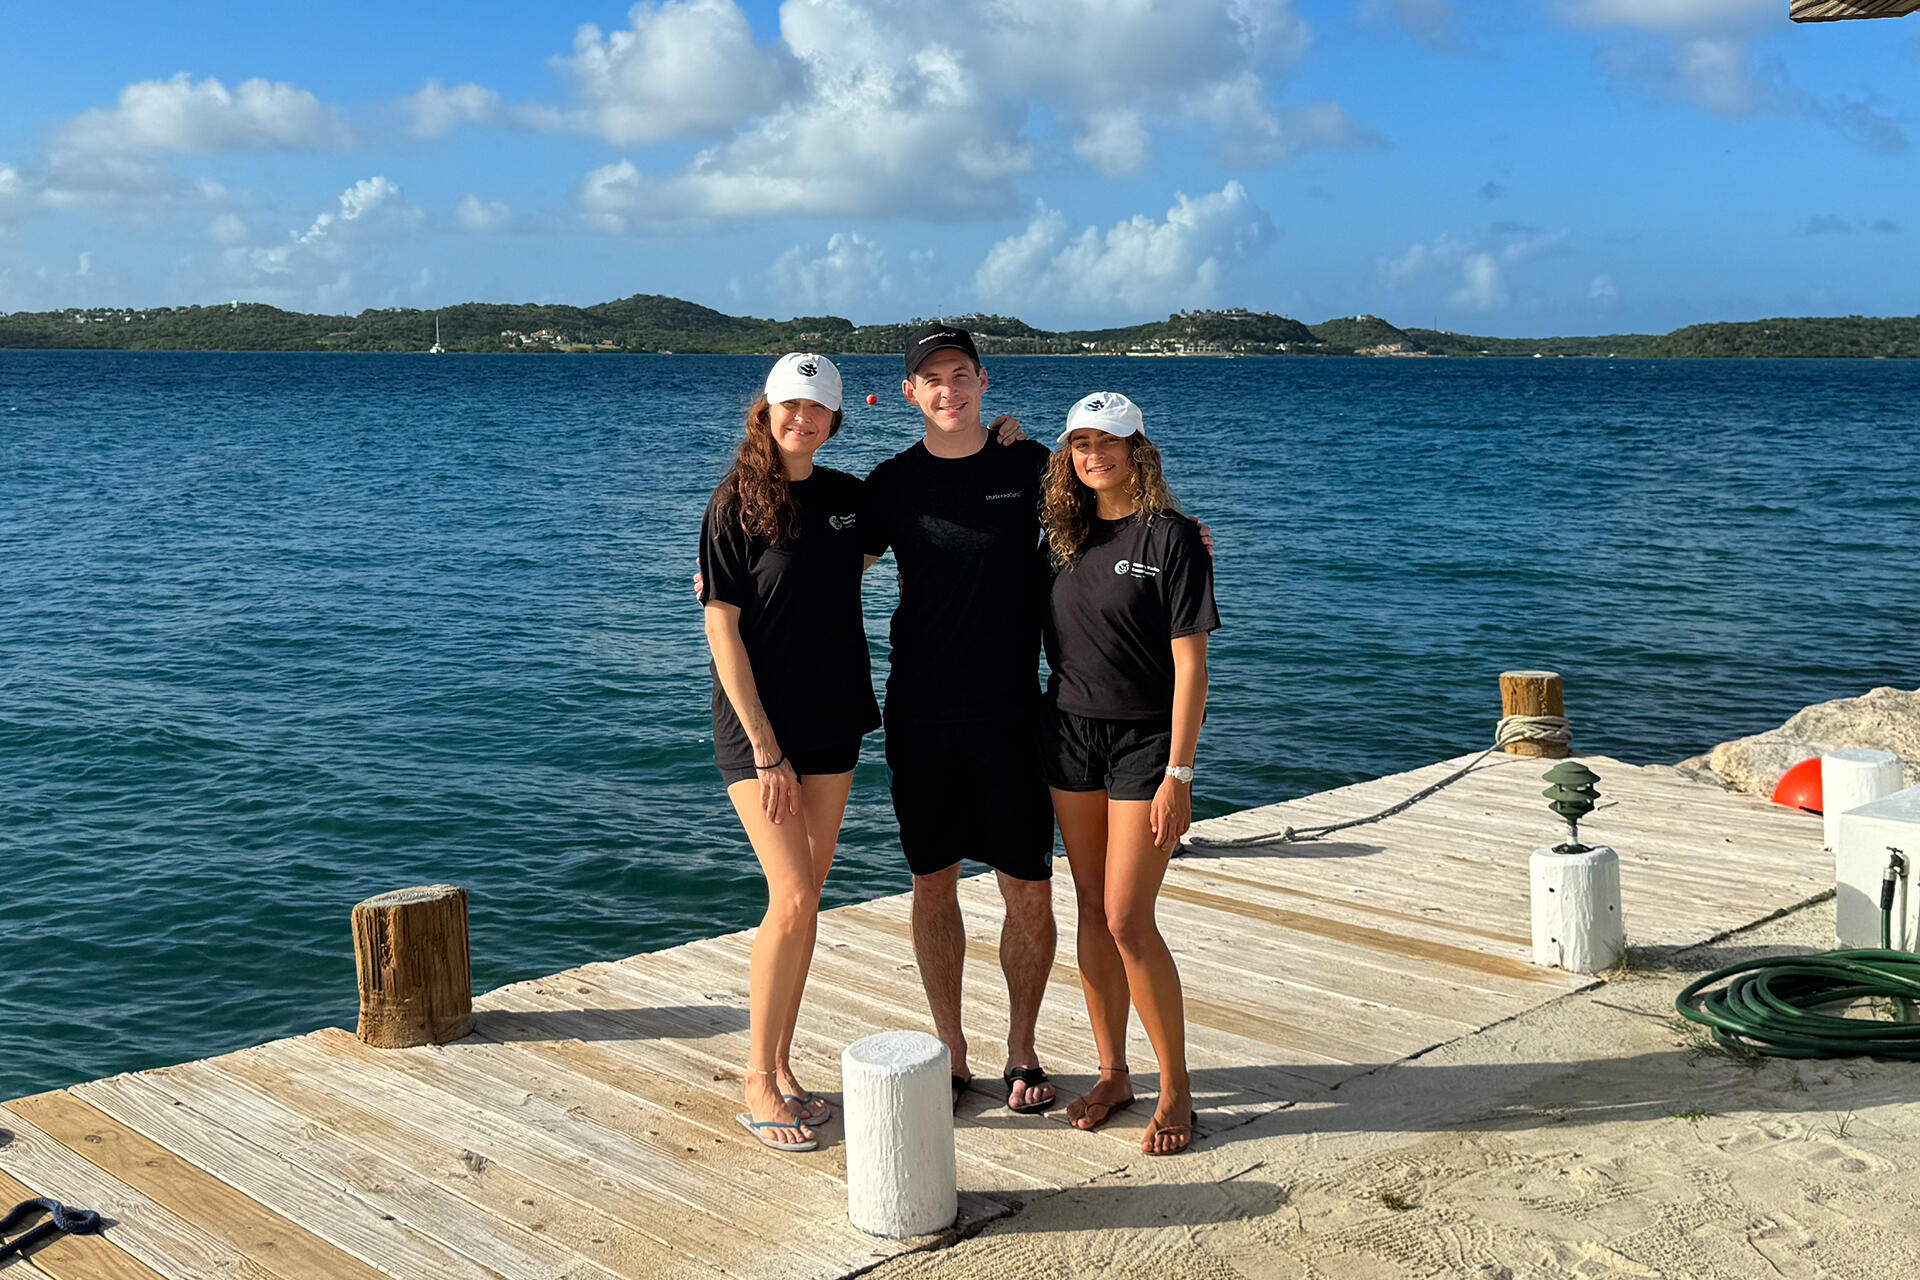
281, 632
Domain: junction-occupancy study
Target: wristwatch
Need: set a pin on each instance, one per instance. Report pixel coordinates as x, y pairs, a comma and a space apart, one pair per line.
1181, 773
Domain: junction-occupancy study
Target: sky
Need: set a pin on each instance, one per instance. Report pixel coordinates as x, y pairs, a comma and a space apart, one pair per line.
1509, 167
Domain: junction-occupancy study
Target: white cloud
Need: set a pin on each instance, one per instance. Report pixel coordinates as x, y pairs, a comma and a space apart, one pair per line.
1672, 15
1702, 52
1140, 264
482, 216
1429, 21
435, 110
853, 272
317, 263
184, 114
1114, 142
17, 198
680, 68
1603, 289
876, 109
228, 230
1479, 267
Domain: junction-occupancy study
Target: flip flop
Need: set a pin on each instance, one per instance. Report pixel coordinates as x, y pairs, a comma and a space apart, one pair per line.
1033, 1078
1107, 1111
803, 1101
1155, 1130
758, 1128
960, 1085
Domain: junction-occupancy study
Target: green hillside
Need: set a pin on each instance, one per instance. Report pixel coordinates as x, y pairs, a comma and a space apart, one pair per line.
652, 323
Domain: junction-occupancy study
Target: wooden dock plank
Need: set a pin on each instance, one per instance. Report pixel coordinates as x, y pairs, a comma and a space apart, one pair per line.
296, 1196
496, 1188
413, 1205
87, 1257
178, 1219
638, 1159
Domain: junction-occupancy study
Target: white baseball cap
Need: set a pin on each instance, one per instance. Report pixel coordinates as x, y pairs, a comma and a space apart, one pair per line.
801, 375
1107, 411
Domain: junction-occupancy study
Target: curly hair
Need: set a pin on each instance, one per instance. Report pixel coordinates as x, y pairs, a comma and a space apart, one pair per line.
756, 490
1067, 508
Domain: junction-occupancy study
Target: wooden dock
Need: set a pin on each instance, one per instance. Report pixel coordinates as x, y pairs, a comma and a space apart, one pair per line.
586, 1128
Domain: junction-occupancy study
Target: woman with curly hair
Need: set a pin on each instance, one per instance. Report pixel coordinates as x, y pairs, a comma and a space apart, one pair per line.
1128, 614
780, 564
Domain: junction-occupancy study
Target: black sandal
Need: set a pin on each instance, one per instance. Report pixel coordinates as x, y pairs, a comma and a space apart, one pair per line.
1033, 1078
960, 1085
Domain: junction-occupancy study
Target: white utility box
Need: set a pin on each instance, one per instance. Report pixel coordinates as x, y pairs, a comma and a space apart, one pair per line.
1868, 835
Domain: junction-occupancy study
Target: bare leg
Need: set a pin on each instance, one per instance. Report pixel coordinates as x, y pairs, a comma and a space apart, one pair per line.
1135, 869
1027, 941
823, 803
940, 949
777, 967
1103, 977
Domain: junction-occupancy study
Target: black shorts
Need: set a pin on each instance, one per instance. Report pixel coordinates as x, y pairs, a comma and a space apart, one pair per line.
1127, 759
839, 758
972, 790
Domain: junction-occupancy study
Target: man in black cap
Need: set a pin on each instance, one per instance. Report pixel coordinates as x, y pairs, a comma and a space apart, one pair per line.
963, 696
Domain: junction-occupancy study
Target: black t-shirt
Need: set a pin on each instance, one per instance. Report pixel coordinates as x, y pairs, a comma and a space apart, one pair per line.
966, 535
1112, 614
800, 618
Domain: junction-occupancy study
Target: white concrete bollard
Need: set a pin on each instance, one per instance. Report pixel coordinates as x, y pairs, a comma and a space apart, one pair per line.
1849, 779
898, 1105
1577, 923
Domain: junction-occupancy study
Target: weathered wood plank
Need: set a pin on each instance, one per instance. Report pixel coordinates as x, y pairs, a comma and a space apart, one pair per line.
91, 1257
496, 1188
178, 1219
295, 1196
414, 1207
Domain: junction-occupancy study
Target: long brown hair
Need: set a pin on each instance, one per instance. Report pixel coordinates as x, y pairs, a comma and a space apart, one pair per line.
756, 490
1068, 506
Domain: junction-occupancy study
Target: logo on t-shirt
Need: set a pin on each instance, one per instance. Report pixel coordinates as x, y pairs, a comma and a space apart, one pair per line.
1138, 570
841, 523
995, 497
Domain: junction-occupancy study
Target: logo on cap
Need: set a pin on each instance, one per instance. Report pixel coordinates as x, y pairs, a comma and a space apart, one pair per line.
1095, 406
807, 370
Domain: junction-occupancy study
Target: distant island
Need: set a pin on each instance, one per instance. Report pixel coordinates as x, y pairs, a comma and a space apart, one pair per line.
650, 323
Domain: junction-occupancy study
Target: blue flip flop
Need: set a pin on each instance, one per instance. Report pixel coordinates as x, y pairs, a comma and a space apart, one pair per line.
805, 1100
758, 1129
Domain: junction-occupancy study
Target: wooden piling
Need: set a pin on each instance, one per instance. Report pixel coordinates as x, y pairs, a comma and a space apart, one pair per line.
1533, 693
416, 977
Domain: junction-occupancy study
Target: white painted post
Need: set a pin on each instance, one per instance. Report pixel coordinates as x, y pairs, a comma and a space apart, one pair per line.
1577, 923
898, 1105
1849, 779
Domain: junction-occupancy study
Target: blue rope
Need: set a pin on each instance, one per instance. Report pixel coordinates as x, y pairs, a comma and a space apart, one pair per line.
73, 1222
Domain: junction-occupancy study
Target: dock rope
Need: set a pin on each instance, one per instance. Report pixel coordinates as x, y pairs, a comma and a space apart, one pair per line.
60, 1219
1550, 730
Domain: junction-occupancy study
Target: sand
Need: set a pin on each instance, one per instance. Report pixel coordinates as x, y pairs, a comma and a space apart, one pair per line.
1596, 1136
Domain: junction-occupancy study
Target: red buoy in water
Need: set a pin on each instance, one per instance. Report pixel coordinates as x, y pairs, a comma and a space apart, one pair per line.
1799, 787
873, 399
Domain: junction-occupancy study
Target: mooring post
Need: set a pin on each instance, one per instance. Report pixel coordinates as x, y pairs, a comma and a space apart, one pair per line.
416, 977
901, 1174
1533, 694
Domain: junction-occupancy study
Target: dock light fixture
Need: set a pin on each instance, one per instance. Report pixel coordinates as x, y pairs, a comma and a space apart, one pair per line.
1571, 791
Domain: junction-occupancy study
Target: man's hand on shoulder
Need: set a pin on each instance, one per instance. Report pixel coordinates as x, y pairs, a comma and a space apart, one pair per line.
1006, 429
1206, 536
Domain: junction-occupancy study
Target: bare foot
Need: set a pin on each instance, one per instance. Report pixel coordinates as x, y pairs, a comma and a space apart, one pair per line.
1166, 1135
1022, 1096
1112, 1092
764, 1103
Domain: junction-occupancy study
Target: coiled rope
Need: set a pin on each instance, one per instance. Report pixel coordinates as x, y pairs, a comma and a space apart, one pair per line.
1551, 730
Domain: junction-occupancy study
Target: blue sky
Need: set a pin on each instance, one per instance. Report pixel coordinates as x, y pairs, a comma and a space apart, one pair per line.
1492, 166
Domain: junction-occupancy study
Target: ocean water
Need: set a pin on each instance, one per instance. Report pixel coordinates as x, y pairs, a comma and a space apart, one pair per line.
279, 632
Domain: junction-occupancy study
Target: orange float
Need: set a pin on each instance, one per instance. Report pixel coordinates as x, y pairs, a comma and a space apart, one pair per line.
1799, 787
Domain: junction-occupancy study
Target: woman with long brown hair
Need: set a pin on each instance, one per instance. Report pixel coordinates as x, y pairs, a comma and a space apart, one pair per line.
1128, 614
780, 564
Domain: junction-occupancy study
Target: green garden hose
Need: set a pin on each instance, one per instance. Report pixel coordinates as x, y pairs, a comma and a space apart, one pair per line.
1775, 1006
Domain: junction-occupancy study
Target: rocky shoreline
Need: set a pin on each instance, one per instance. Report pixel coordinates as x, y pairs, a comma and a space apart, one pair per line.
1884, 719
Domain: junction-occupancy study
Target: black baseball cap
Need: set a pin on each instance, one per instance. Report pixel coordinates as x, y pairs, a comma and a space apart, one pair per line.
938, 336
